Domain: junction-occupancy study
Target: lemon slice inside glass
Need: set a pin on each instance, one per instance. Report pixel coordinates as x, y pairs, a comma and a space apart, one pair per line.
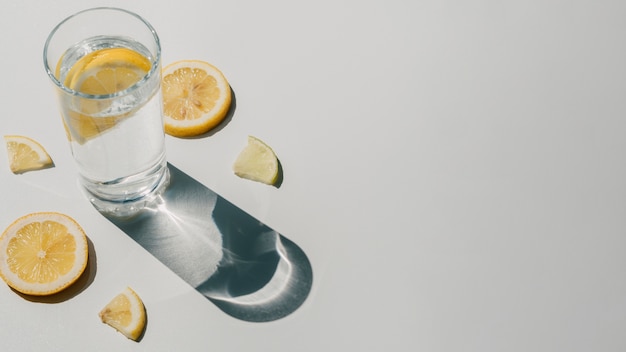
42, 253
196, 97
26, 154
126, 314
257, 162
102, 72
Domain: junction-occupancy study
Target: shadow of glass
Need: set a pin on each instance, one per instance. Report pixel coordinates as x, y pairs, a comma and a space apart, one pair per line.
245, 268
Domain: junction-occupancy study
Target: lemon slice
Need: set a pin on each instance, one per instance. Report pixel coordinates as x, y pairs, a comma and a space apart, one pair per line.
107, 71
26, 154
102, 72
196, 97
257, 162
126, 314
42, 253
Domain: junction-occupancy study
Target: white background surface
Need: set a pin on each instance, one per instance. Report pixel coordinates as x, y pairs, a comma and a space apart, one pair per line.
454, 170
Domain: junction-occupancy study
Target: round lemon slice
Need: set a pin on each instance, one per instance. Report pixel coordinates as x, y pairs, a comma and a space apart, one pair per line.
102, 72
42, 253
26, 154
126, 314
107, 71
257, 162
196, 97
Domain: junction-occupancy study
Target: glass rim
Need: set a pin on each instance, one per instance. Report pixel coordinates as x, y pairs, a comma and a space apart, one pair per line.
153, 68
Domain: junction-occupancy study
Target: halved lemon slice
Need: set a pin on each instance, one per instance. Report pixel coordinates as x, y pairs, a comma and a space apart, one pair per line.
42, 253
196, 97
26, 154
126, 314
257, 162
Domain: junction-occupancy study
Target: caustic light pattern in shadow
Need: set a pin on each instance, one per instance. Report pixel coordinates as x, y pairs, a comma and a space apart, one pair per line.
245, 268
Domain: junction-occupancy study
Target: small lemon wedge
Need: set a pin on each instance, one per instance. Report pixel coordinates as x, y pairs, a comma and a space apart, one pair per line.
26, 154
126, 314
257, 162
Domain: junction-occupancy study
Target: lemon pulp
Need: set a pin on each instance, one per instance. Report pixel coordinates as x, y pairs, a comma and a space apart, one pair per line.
41, 252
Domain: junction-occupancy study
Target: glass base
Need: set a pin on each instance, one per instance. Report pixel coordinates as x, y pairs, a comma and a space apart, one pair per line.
126, 197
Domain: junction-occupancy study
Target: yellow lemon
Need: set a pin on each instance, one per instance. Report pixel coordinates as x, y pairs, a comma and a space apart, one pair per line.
257, 162
42, 253
26, 154
126, 314
196, 97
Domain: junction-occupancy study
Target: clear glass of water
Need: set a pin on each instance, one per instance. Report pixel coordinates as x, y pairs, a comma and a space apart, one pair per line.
105, 64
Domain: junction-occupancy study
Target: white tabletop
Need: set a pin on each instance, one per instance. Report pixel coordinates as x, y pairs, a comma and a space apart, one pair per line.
454, 171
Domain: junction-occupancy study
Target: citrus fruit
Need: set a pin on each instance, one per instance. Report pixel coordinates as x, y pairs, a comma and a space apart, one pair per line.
26, 154
257, 162
42, 253
125, 313
107, 71
196, 97
102, 72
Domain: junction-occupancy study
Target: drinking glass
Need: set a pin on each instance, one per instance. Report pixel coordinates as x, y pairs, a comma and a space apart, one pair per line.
105, 64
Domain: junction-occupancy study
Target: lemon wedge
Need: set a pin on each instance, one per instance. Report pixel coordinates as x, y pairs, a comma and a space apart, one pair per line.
26, 154
257, 162
196, 97
126, 314
42, 253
